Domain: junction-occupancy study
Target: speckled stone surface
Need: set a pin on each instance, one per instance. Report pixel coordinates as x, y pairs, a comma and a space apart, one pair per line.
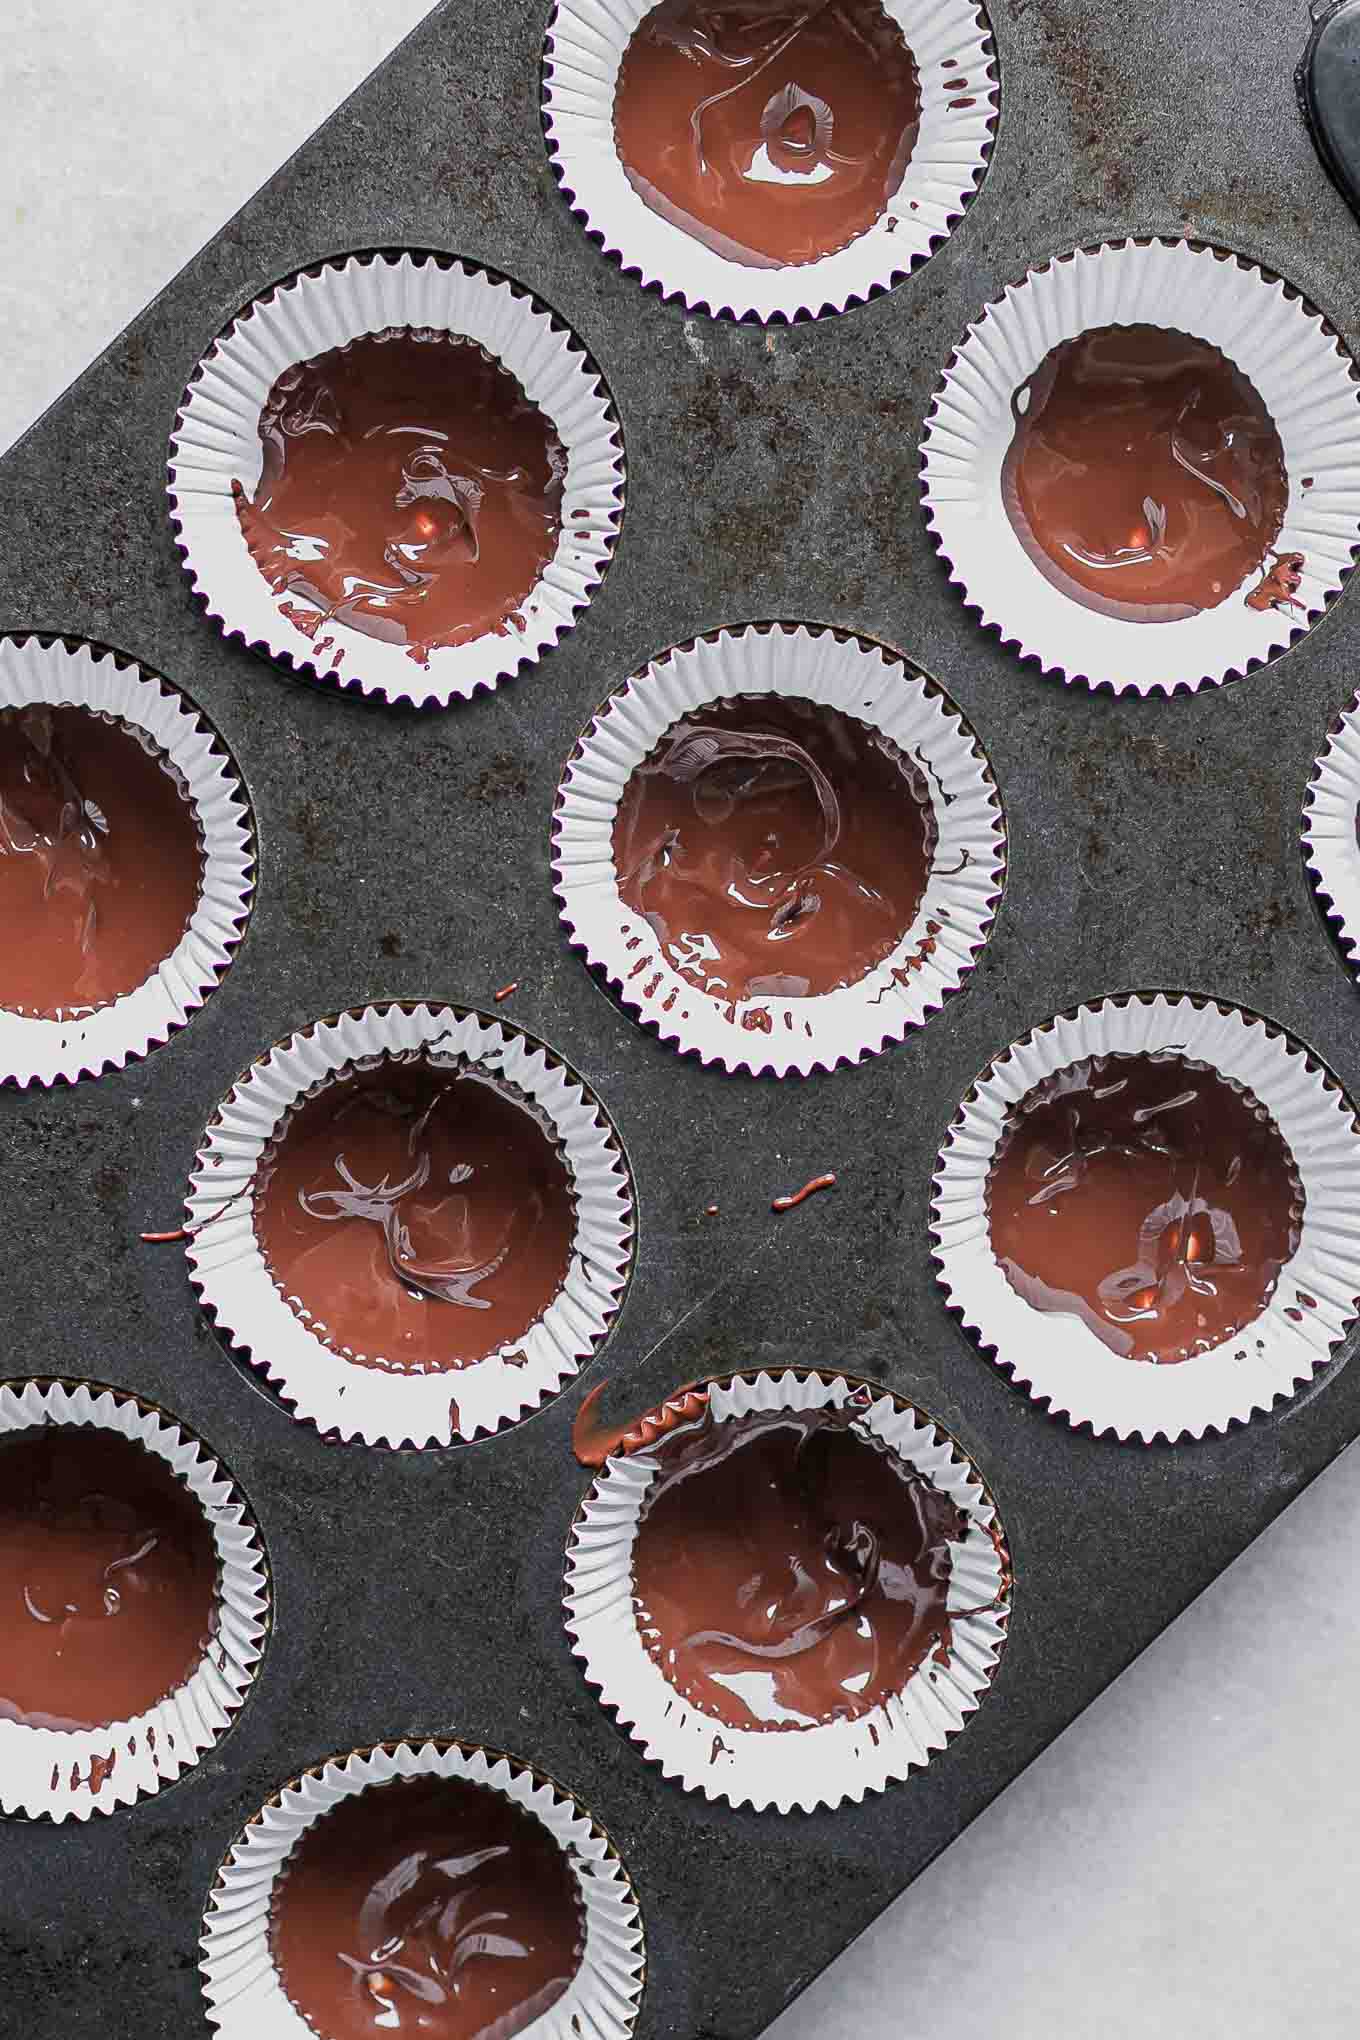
1153, 844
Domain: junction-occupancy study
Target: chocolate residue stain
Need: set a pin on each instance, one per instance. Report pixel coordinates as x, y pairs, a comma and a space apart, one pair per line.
1003, 1556
593, 1444
186, 1232
308, 621
1100, 108
809, 1189
503, 779
101, 1769
902, 973
1279, 585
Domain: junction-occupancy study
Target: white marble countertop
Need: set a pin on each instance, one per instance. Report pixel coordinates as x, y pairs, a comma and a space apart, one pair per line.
1186, 1859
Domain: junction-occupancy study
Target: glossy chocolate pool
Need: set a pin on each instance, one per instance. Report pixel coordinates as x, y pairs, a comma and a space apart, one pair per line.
790, 1569
409, 489
774, 134
101, 861
421, 1216
427, 1906
1148, 1196
1145, 479
108, 1571
777, 848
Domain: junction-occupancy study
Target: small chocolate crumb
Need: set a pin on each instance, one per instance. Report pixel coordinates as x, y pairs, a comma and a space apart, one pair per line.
809, 1189
1279, 584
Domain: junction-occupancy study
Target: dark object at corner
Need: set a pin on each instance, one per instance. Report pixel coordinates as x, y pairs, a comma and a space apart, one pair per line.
1328, 84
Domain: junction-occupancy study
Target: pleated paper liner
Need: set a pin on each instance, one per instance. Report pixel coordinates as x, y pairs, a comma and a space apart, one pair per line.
1286, 349
877, 687
49, 1051
342, 1397
245, 1998
216, 442
1330, 817
1055, 1357
68, 1774
788, 1768
951, 43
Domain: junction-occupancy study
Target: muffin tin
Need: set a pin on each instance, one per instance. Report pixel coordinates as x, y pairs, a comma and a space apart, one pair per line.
772, 473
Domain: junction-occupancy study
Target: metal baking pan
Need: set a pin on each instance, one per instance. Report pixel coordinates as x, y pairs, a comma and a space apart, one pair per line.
771, 473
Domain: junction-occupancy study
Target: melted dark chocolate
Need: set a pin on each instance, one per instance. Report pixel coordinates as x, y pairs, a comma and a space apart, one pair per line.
429, 1906
1145, 479
778, 849
101, 861
1150, 1197
409, 489
594, 1442
774, 133
423, 1217
790, 1569
108, 1572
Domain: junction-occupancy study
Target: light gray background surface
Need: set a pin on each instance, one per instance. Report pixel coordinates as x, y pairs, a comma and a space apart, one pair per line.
1186, 1859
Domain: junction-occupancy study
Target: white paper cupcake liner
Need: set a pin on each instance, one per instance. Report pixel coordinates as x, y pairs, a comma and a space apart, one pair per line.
950, 41
245, 1999
68, 1774
1330, 842
1297, 365
967, 869
1056, 1357
40, 1051
216, 441
793, 1767
340, 1396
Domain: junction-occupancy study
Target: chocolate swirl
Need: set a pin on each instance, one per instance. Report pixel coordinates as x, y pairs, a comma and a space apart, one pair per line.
409, 489
773, 133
